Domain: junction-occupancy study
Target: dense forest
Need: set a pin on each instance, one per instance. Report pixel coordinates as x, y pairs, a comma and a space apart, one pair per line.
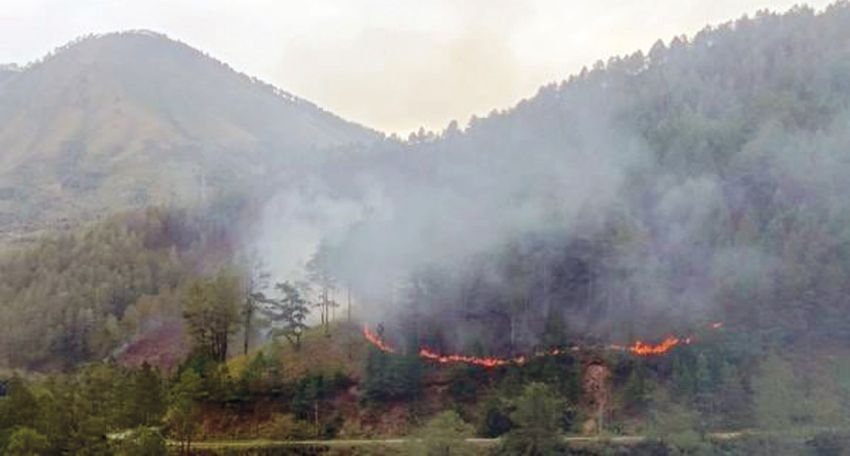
694, 191
703, 181
80, 295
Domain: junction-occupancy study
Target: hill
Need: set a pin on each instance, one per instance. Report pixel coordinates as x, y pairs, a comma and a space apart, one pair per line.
652, 193
8, 71
127, 120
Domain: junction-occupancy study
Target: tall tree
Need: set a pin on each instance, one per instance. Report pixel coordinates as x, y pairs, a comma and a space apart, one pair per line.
320, 272
778, 399
183, 411
537, 417
147, 398
290, 311
211, 311
256, 283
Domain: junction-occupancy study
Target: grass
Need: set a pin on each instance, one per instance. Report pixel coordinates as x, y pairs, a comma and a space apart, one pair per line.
341, 350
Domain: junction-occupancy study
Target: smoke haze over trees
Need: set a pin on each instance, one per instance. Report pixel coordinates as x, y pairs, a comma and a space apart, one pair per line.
700, 189
704, 181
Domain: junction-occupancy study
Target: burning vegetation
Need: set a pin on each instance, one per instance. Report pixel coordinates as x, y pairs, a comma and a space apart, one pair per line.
637, 348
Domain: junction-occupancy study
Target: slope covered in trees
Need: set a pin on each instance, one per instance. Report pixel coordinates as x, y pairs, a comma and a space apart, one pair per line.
78, 296
702, 181
649, 195
125, 120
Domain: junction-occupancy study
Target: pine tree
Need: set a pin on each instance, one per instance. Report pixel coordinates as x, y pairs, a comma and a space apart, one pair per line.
183, 412
537, 416
290, 311
147, 399
778, 400
211, 312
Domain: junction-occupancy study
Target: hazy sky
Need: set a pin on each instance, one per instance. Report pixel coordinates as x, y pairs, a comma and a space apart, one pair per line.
394, 65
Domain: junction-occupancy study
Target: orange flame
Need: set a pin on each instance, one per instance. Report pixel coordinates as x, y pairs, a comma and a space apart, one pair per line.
474, 360
638, 348
375, 340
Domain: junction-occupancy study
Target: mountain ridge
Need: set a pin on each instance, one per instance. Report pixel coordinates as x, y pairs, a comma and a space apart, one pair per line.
128, 119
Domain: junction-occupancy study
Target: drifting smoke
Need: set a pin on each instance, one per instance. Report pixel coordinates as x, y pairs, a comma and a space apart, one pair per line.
445, 205
623, 204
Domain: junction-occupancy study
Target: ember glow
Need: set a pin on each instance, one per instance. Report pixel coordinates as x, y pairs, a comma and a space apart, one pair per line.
638, 348
474, 360
376, 340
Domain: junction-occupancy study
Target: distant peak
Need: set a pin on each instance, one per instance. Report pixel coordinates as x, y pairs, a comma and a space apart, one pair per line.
143, 32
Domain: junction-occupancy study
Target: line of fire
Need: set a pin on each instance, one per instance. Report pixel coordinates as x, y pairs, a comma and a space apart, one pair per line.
637, 348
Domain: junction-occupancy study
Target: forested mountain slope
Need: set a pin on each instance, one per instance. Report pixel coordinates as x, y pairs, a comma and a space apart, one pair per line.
698, 191
132, 119
80, 295
704, 181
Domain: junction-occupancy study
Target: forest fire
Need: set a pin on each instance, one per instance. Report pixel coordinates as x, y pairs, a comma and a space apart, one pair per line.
638, 348
474, 360
376, 340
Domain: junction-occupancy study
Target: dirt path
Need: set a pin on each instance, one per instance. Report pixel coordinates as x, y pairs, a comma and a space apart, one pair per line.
348, 443
246, 444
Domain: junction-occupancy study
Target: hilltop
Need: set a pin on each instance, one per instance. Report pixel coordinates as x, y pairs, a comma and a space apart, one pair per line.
125, 120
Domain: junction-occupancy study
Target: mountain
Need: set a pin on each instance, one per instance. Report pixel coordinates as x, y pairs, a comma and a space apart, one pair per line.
8, 71
130, 119
703, 181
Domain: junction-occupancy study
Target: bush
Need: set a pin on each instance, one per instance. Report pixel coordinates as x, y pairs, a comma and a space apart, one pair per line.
25, 441
537, 415
495, 420
445, 434
828, 444
286, 427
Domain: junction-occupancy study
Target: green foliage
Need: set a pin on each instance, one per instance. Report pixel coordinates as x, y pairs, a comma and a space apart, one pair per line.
537, 416
26, 442
829, 443
290, 311
308, 392
78, 411
444, 435
636, 393
147, 397
286, 427
262, 375
392, 377
732, 400
778, 400
256, 283
321, 272
71, 297
310, 397
495, 420
184, 411
676, 425
466, 381
212, 313
19, 407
